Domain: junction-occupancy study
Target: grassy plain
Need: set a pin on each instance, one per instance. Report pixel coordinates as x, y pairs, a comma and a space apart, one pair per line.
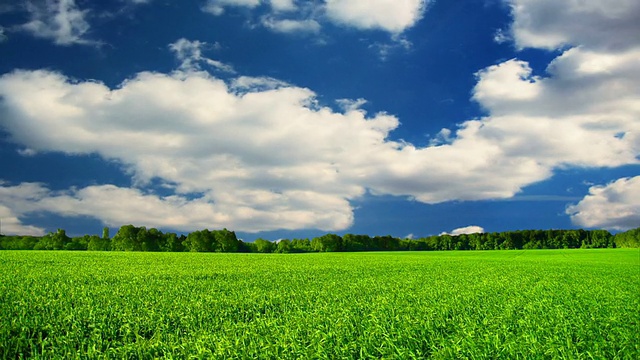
442, 305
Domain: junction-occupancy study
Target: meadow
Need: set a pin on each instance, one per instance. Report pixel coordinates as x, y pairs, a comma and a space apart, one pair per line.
581, 304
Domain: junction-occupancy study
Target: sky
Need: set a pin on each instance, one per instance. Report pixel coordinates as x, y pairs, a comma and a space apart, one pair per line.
292, 119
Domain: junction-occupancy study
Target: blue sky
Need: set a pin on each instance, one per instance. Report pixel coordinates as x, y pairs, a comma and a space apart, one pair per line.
284, 118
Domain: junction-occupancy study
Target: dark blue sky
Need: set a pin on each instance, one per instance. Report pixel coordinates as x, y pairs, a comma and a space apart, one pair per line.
280, 118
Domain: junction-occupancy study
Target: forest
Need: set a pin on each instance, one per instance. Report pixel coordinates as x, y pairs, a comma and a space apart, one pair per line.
132, 238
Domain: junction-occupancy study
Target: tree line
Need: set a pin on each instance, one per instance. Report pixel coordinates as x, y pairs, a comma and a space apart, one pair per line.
132, 238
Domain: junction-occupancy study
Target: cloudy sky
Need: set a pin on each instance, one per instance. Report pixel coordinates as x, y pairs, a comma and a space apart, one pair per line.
290, 118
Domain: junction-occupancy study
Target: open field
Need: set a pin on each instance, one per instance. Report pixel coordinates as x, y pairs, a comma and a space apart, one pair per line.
480, 304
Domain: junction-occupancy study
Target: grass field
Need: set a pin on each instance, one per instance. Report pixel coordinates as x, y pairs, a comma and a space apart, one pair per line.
450, 305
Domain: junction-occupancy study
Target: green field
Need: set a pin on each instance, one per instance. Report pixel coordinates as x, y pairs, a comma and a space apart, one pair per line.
474, 304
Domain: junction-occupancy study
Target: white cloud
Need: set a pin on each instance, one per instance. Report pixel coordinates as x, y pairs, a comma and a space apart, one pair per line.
116, 206
551, 24
15, 202
472, 229
266, 147
393, 16
398, 42
291, 26
59, 20
267, 159
283, 5
258, 146
3, 37
217, 7
351, 105
190, 53
615, 206
11, 225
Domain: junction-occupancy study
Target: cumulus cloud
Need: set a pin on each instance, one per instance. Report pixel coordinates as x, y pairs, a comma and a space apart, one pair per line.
11, 224
59, 20
393, 16
614, 206
190, 53
116, 206
550, 24
267, 151
291, 26
283, 5
266, 146
217, 7
472, 229
255, 146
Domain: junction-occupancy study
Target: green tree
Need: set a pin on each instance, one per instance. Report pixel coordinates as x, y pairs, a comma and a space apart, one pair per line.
79, 243
226, 241
284, 246
327, 243
264, 246
201, 241
170, 242
301, 245
99, 244
628, 239
53, 241
126, 239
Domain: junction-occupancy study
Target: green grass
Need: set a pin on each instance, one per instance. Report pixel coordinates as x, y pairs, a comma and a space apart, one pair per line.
578, 304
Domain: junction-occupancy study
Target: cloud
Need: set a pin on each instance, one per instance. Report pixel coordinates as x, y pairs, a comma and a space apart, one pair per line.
116, 206
217, 7
550, 24
291, 26
190, 53
11, 224
268, 159
614, 206
267, 155
3, 37
14, 202
59, 20
397, 43
283, 5
472, 229
393, 16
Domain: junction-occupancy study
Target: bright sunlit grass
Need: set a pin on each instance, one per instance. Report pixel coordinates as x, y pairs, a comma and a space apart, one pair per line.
495, 304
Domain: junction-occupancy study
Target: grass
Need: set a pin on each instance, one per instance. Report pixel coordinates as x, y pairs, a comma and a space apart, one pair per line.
445, 305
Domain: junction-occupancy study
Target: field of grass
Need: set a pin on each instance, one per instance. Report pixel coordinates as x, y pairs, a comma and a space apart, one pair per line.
442, 305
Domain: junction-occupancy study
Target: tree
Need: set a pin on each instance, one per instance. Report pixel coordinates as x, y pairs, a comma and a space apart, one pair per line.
284, 246
628, 239
327, 243
18, 242
126, 239
53, 241
226, 241
351, 242
200, 241
264, 246
170, 242
149, 240
79, 243
301, 245
99, 244
105, 232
